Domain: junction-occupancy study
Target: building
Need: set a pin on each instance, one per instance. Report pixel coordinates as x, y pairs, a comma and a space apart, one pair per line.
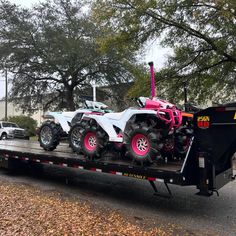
12, 110
114, 98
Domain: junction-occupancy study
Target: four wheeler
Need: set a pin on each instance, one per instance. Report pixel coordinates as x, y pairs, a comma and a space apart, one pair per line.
57, 124
143, 132
154, 130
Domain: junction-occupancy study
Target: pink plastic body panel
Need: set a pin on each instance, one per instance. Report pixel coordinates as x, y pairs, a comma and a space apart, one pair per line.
172, 116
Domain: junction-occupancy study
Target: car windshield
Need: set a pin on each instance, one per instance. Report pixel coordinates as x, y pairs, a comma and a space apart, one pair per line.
9, 125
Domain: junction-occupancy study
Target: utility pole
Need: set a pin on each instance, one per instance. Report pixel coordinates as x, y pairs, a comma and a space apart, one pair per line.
6, 94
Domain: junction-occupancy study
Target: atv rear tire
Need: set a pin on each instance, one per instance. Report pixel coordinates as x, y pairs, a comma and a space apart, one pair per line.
141, 142
49, 136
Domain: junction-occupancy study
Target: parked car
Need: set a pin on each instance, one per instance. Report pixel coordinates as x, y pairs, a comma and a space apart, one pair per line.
9, 130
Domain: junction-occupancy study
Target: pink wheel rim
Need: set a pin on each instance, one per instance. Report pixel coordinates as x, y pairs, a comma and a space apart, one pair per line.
90, 141
140, 144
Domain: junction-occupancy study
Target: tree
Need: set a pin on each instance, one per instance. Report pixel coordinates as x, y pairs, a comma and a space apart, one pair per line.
53, 52
201, 33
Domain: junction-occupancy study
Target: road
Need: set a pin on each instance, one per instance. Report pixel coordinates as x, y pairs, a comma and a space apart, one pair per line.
135, 200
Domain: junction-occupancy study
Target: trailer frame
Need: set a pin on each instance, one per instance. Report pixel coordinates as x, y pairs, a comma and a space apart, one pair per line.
207, 164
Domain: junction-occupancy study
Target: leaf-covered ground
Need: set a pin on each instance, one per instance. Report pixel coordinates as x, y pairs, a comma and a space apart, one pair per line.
26, 210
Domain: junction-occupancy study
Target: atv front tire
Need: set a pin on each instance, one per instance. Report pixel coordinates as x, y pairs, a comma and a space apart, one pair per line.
141, 142
93, 140
49, 136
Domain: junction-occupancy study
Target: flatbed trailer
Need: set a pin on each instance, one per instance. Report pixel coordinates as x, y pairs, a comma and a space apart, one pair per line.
207, 164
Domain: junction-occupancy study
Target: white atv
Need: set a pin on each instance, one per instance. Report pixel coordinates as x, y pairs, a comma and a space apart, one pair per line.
140, 131
57, 124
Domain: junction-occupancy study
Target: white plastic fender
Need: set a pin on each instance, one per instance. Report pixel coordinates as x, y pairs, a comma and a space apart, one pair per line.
108, 120
63, 118
107, 126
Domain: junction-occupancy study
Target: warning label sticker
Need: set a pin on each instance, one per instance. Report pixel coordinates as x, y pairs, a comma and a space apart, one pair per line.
203, 122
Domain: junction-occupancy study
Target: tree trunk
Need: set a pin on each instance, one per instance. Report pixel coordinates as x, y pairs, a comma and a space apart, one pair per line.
70, 104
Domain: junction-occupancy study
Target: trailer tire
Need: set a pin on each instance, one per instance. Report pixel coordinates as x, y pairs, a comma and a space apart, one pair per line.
141, 142
49, 136
93, 140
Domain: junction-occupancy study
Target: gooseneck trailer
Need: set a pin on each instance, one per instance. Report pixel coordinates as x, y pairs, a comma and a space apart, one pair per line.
207, 165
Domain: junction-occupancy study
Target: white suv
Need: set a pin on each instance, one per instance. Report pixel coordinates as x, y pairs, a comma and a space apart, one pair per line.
10, 130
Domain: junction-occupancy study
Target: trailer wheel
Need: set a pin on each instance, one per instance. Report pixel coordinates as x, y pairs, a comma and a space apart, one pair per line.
93, 140
49, 136
141, 142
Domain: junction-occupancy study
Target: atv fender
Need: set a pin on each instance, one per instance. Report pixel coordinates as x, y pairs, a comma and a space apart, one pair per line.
59, 119
106, 125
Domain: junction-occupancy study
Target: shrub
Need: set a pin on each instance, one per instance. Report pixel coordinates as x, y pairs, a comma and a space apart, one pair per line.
25, 122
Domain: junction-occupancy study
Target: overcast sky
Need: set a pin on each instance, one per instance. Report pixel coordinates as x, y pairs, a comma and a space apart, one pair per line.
25, 3
154, 52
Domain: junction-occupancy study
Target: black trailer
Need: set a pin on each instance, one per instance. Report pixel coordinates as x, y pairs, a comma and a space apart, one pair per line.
208, 163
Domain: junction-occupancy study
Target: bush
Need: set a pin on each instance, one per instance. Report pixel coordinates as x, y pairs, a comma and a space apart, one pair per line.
24, 122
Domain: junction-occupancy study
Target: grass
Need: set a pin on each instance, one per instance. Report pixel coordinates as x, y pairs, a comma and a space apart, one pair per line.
34, 138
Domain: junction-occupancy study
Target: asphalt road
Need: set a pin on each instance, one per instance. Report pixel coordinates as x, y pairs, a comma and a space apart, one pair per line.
134, 199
